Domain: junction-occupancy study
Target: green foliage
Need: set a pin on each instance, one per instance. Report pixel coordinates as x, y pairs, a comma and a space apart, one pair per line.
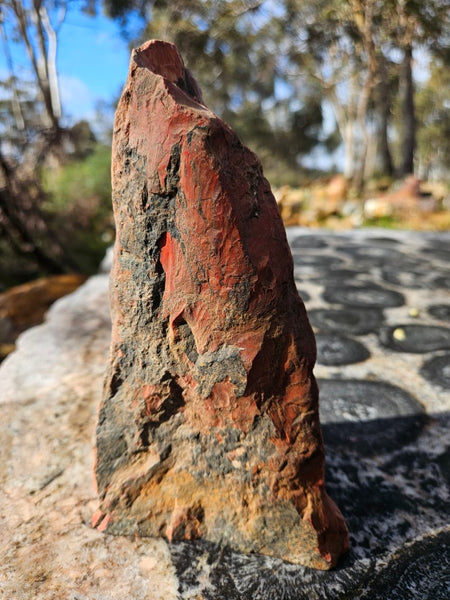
82, 139
433, 101
386, 222
15, 268
87, 178
78, 205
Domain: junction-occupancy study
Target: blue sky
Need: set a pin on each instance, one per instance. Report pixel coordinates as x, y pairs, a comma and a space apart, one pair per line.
92, 63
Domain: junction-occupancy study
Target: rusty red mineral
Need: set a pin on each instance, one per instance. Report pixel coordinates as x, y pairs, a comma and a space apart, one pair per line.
209, 423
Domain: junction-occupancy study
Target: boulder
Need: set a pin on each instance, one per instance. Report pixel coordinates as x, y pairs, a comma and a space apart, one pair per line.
24, 305
209, 423
408, 201
67, 353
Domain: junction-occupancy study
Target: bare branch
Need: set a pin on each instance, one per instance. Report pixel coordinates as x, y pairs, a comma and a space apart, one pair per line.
15, 101
51, 62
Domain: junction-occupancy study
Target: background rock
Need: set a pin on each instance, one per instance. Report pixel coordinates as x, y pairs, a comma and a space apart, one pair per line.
25, 305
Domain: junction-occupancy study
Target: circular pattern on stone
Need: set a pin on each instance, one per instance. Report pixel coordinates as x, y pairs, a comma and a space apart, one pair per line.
338, 276
410, 278
383, 241
335, 350
367, 416
440, 311
410, 263
442, 282
313, 269
309, 241
437, 370
317, 260
366, 258
419, 571
369, 296
439, 251
415, 339
303, 294
371, 254
354, 321
331, 275
442, 242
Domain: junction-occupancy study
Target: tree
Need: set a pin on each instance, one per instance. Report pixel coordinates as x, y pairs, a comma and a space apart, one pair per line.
351, 49
382, 100
433, 140
30, 127
422, 25
324, 44
31, 27
233, 48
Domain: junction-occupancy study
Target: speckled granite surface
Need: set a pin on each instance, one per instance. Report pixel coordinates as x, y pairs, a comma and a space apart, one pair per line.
380, 306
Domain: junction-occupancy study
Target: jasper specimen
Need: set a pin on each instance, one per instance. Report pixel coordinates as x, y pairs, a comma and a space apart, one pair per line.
209, 424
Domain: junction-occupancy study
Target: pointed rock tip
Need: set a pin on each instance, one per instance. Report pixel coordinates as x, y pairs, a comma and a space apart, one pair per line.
162, 58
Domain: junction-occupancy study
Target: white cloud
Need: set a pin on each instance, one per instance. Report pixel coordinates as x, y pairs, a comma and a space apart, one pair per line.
77, 99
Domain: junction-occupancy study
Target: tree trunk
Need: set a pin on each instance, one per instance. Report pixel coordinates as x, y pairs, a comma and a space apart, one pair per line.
408, 113
51, 62
363, 17
348, 137
358, 179
383, 99
346, 122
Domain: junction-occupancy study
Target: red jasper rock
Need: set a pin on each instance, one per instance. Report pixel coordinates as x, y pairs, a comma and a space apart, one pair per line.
209, 424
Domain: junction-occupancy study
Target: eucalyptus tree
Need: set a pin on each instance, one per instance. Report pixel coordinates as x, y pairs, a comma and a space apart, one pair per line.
416, 26
235, 49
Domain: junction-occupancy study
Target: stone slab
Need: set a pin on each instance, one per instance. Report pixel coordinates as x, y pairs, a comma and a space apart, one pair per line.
396, 499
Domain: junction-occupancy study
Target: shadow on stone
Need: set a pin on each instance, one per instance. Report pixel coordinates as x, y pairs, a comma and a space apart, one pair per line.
368, 416
377, 435
422, 570
233, 576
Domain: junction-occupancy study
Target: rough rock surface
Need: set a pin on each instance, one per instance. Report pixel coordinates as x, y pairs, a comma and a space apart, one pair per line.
391, 449
209, 426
